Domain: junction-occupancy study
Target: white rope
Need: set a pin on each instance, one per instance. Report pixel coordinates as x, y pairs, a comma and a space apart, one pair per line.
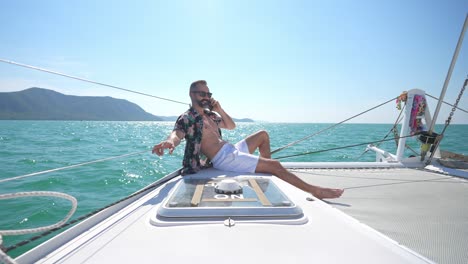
4, 258
71, 166
41, 193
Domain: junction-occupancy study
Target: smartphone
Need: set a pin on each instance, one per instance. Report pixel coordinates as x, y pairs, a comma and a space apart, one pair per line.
208, 110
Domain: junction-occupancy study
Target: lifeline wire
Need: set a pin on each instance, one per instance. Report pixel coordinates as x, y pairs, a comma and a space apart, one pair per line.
349, 146
86, 80
330, 127
71, 166
398, 120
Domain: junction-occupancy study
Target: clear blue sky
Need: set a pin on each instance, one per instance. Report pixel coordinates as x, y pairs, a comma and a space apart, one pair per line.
277, 61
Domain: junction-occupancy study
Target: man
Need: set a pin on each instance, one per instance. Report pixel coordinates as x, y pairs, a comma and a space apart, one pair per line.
200, 126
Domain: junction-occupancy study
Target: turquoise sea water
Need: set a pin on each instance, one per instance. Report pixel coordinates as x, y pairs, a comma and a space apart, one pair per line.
32, 146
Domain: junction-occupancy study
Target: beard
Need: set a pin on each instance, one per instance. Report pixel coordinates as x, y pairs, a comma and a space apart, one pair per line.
204, 103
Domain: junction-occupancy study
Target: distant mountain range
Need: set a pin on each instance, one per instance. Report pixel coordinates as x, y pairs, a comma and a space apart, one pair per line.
43, 104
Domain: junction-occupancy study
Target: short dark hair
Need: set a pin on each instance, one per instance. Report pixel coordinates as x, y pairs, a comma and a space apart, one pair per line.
193, 86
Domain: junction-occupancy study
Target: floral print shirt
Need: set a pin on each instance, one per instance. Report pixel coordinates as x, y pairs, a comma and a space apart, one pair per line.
191, 124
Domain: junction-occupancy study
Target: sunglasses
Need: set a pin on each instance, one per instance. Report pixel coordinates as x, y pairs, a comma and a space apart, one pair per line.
203, 94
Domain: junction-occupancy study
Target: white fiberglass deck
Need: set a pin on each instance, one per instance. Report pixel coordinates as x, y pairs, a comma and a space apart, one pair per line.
327, 236
422, 210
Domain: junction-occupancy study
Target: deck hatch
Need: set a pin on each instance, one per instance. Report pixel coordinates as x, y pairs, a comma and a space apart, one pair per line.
197, 198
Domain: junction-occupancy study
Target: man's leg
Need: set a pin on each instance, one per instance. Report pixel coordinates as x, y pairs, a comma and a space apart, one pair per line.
274, 167
260, 140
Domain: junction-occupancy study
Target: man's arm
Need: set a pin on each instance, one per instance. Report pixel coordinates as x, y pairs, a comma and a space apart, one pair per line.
172, 141
226, 121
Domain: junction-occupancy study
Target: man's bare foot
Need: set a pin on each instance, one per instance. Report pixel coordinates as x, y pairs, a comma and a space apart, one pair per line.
322, 193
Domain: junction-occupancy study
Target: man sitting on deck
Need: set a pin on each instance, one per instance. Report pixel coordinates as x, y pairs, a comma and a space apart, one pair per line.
200, 126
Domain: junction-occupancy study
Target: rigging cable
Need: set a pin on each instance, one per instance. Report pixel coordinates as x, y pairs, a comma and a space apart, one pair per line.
71, 166
457, 107
86, 80
393, 129
349, 146
330, 127
395, 135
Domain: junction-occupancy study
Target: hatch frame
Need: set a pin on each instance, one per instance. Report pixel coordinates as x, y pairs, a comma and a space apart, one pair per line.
259, 202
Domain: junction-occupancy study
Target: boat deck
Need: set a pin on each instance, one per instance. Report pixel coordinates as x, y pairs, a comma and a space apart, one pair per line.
422, 210
419, 216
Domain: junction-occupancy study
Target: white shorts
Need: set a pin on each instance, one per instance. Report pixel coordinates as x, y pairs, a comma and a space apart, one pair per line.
235, 158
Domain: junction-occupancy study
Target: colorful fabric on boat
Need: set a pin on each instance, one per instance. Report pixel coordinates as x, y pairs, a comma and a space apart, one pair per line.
191, 124
417, 113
